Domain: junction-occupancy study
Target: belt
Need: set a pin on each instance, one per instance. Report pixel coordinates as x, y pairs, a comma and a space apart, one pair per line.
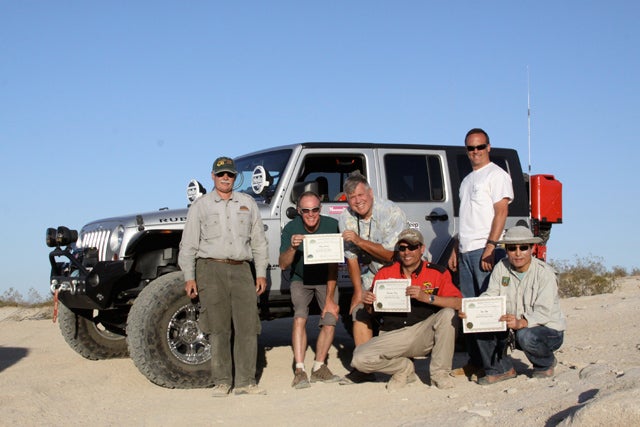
227, 261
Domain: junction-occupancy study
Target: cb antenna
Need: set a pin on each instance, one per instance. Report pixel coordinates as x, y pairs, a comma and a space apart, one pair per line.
529, 119
529, 137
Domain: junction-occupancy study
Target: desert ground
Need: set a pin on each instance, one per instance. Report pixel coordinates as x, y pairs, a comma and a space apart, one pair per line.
45, 383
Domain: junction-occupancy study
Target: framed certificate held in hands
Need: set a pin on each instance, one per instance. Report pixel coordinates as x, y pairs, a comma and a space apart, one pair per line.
483, 314
391, 295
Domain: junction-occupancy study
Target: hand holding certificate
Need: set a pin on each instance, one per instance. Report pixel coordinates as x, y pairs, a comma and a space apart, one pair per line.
391, 295
483, 314
323, 248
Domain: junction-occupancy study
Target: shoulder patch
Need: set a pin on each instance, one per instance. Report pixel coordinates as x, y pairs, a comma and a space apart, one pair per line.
437, 267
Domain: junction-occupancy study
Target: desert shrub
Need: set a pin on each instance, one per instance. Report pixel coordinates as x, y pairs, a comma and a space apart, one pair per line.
585, 276
13, 297
619, 271
635, 271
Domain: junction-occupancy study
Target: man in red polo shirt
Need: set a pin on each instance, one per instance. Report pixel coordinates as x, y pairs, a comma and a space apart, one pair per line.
429, 328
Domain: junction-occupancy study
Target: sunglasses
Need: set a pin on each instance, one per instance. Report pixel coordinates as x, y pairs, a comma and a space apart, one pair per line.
472, 148
309, 210
403, 248
513, 248
229, 174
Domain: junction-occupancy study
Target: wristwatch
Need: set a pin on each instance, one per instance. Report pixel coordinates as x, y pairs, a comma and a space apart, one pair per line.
431, 298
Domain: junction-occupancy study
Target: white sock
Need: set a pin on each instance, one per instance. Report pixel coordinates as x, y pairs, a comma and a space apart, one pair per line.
317, 365
300, 366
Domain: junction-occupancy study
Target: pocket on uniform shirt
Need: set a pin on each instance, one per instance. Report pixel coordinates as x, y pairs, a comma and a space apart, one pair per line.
244, 223
211, 227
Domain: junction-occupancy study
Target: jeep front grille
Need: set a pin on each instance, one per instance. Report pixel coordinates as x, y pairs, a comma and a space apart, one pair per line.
96, 239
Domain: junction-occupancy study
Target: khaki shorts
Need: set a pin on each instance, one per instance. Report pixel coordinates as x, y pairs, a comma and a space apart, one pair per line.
301, 296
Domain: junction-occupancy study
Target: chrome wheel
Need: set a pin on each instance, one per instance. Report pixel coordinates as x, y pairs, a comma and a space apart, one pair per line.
186, 340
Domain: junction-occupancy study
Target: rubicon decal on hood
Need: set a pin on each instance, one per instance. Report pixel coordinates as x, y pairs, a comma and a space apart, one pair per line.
173, 219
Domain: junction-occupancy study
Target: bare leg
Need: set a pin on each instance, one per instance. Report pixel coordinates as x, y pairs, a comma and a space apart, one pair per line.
299, 338
325, 339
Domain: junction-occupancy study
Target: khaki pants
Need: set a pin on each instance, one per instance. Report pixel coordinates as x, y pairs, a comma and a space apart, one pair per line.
390, 351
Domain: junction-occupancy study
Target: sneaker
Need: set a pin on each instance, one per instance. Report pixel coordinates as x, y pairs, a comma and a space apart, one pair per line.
492, 379
468, 371
403, 378
442, 381
546, 373
300, 379
357, 377
221, 390
324, 375
249, 389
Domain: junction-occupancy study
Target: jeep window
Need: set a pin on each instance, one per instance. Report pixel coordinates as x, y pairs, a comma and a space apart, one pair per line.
464, 165
259, 174
414, 178
330, 172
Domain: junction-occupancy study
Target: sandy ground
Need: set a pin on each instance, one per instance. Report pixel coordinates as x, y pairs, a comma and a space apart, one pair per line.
597, 382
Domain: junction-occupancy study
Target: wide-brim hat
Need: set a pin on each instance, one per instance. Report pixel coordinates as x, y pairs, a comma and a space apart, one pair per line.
519, 234
224, 164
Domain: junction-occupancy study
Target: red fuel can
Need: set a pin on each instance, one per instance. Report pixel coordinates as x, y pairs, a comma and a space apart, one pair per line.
546, 199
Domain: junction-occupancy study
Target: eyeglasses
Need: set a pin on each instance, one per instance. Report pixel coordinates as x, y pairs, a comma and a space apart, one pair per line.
310, 210
513, 248
472, 148
229, 174
403, 248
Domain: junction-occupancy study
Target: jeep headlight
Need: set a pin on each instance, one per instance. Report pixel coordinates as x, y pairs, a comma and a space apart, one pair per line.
115, 241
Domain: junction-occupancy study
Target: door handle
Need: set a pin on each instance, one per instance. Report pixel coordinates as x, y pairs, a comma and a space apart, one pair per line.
433, 216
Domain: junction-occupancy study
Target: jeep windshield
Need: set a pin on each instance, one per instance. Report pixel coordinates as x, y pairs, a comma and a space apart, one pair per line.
260, 173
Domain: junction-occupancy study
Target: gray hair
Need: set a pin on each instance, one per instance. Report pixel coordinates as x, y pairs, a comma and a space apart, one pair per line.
353, 181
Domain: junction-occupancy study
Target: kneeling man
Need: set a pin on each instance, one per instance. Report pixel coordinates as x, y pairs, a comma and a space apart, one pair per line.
430, 326
535, 321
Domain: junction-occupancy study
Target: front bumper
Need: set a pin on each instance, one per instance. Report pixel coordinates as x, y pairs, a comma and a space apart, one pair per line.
83, 287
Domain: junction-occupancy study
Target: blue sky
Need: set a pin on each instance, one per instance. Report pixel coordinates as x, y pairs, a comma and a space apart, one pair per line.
112, 107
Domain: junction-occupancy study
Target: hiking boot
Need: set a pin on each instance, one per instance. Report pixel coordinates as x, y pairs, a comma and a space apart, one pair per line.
403, 378
323, 374
442, 381
300, 379
221, 390
249, 389
357, 377
546, 373
492, 379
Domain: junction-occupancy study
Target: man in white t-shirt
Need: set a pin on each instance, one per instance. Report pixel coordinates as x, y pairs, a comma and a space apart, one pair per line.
485, 195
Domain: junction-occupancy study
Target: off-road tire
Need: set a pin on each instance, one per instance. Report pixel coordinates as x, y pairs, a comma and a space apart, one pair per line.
155, 325
88, 337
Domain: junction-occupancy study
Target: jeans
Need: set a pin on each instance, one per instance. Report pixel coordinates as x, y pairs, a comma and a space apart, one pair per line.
538, 344
473, 282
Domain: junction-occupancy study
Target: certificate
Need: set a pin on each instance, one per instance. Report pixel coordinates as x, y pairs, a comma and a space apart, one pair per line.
323, 248
483, 314
391, 295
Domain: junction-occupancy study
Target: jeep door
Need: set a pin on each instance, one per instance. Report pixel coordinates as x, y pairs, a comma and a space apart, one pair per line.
323, 168
417, 180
